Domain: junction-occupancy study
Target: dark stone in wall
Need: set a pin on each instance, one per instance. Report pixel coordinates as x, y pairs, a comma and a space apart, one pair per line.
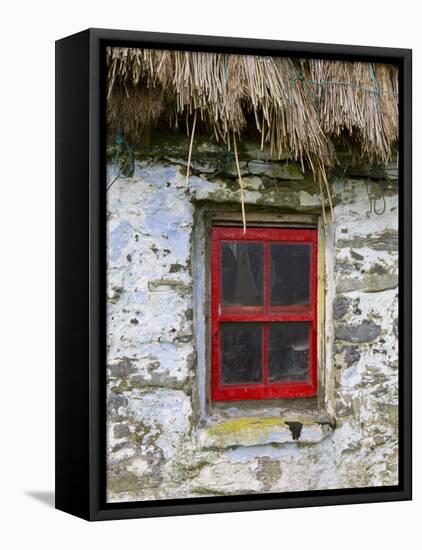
356, 256
344, 268
115, 401
340, 307
363, 333
175, 268
387, 240
124, 367
189, 314
352, 355
344, 406
121, 430
185, 339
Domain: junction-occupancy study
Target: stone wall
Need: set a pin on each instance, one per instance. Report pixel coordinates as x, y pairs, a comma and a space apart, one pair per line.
164, 439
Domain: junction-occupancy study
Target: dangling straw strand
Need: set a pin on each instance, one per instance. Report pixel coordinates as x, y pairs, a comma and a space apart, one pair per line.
262, 131
329, 199
190, 149
321, 196
242, 199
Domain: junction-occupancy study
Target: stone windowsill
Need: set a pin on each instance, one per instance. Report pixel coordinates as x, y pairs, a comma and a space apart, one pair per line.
249, 431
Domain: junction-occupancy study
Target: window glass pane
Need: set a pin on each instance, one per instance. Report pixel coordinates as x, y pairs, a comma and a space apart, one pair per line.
289, 274
242, 274
288, 352
241, 356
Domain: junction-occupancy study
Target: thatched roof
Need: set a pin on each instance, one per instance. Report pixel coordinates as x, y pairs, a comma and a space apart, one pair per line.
298, 106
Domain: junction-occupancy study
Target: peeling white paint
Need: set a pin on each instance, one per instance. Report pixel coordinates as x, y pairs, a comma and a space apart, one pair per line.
157, 363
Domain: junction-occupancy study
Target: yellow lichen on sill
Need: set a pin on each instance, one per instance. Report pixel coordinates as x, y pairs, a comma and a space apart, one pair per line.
250, 431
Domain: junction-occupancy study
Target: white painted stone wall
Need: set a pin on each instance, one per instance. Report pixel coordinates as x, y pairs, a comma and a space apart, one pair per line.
162, 442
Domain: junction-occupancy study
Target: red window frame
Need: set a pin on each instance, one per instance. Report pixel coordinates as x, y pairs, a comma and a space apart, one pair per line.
265, 389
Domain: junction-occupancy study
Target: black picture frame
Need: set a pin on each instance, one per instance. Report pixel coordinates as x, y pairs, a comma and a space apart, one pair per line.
81, 263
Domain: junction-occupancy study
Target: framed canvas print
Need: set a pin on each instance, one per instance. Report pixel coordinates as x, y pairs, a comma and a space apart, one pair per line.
233, 274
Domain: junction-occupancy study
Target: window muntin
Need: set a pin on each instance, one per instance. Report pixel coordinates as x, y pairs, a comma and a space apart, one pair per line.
263, 313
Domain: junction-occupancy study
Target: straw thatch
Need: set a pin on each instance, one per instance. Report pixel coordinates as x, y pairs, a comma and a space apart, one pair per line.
298, 106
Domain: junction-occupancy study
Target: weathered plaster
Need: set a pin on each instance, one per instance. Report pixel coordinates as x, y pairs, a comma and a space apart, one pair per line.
164, 439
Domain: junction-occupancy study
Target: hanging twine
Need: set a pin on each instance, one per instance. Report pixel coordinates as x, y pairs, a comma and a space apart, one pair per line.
242, 198
190, 150
127, 169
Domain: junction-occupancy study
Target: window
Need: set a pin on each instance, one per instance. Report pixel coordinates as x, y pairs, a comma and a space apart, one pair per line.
263, 313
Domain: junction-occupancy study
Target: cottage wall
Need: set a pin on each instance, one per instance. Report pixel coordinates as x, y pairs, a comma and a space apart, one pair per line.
164, 438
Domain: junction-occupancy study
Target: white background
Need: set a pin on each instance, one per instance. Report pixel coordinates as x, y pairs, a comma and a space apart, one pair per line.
28, 31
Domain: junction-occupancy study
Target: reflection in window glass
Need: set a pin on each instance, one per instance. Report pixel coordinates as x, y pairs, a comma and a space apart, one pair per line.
241, 353
288, 352
289, 274
242, 274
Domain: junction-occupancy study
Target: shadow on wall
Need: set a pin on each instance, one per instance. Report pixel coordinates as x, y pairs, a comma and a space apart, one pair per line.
45, 497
